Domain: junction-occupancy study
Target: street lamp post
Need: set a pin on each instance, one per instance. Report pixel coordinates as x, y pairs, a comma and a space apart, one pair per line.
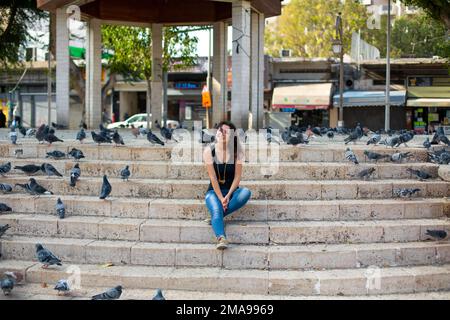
338, 48
387, 112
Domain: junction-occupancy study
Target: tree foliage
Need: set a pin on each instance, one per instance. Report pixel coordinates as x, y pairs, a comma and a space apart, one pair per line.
437, 9
16, 19
307, 27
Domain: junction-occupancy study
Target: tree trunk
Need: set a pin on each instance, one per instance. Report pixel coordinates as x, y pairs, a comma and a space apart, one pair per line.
149, 101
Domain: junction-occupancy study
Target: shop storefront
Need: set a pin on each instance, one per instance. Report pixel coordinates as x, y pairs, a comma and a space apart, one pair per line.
368, 108
308, 104
428, 105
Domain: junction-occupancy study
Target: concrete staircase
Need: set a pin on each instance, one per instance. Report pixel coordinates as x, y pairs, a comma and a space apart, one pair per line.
311, 228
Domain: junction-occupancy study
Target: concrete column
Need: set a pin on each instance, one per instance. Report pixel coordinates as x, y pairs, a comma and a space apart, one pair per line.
94, 74
62, 68
240, 92
257, 70
219, 79
157, 74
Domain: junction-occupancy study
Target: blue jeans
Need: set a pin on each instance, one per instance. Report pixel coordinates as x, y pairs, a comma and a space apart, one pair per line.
238, 199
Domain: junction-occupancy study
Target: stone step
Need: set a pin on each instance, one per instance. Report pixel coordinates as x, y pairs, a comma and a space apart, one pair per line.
347, 282
261, 190
304, 153
255, 210
240, 232
306, 257
37, 292
281, 171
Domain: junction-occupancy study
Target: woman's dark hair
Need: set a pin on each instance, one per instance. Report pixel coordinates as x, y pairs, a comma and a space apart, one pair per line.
235, 138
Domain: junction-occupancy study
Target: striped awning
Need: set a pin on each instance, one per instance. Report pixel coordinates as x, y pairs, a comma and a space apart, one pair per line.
370, 98
429, 102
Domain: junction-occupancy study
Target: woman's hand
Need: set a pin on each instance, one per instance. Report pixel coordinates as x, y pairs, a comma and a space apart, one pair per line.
225, 202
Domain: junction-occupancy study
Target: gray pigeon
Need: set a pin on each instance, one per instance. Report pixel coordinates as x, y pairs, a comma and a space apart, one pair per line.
421, 175
5, 188
50, 137
375, 139
50, 170
153, 139
427, 143
5, 168
375, 156
31, 132
99, 138
13, 136
56, 155
399, 156
437, 234
405, 192
25, 186
125, 173
37, 188
7, 284
106, 188
4, 208
81, 135
60, 209
29, 169
76, 154
350, 156
117, 138
62, 286
366, 173
75, 174
158, 295
46, 257
392, 141
111, 294
3, 229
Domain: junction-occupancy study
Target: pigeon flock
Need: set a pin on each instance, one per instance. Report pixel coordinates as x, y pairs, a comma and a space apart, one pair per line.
293, 136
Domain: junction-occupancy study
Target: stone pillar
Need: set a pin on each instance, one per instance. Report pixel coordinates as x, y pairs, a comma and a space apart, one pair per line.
62, 68
93, 74
157, 74
257, 70
219, 72
240, 92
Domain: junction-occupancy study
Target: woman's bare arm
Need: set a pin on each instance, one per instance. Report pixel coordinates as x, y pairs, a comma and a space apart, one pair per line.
237, 178
207, 156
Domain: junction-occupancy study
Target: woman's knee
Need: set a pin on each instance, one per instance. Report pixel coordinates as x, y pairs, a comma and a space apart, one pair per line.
244, 194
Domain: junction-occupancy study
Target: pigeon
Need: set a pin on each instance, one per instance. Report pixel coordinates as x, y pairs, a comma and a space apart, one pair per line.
51, 138
5, 188
13, 136
3, 229
166, 133
31, 132
153, 139
50, 170
405, 193
26, 187
46, 257
117, 138
441, 137
23, 132
366, 173
439, 156
100, 138
37, 188
375, 139
60, 209
5, 208
437, 234
81, 135
375, 156
206, 137
399, 156
56, 155
421, 175
427, 143
105, 132
76, 154
355, 135
75, 174
135, 131
392, 141
350, 156
330, 134
18, 153
106, 188
28, 169
143, 131
125, 173
317, 131
41, 132
62, 286
58, 126
111, 294
297, 139
405, 137
7, 284
5, 168
158, 295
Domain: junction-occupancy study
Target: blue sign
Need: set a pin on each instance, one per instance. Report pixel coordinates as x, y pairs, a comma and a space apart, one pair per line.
291, 110
186, 85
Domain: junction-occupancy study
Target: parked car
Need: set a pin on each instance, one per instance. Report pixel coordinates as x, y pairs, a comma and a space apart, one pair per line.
139, 120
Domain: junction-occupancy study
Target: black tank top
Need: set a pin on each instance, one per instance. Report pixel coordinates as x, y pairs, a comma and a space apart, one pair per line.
220, 170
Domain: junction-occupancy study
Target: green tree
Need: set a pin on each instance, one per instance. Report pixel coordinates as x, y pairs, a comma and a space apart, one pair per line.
16, 19
307, 27
437, 9
131, 51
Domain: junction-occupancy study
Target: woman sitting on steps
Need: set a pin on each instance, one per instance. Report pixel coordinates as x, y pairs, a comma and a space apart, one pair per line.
224, 164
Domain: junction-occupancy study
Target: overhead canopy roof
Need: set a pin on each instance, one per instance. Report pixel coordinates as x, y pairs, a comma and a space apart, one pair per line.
303, 96
429, 102
370, 98
161, 11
